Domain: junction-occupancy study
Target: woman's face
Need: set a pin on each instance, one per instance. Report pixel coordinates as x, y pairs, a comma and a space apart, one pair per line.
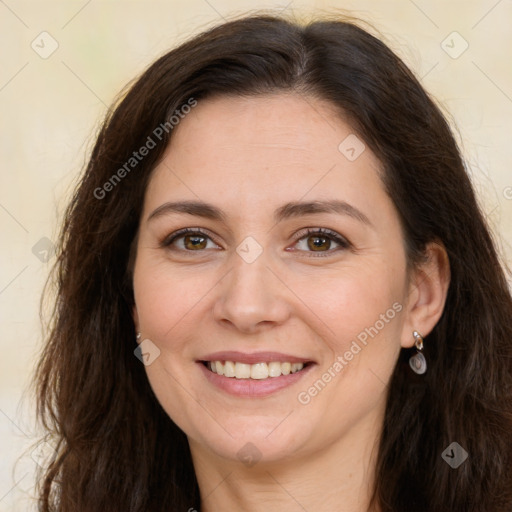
253, 292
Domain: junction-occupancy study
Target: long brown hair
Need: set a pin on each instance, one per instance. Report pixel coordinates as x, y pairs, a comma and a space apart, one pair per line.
117, 450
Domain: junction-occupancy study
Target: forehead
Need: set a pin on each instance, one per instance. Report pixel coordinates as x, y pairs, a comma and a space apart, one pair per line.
277, 126
258, 150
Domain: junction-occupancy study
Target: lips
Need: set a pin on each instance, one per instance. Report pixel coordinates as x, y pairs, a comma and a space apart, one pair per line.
255, 374
255, 357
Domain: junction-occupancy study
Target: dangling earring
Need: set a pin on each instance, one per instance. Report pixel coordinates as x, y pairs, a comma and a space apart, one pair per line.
417, 362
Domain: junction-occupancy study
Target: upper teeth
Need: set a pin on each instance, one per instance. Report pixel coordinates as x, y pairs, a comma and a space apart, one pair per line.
253, 371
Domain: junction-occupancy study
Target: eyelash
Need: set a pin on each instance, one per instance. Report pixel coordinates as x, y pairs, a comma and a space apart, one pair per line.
321, 232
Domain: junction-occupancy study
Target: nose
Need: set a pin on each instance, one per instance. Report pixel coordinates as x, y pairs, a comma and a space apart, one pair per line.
251, 297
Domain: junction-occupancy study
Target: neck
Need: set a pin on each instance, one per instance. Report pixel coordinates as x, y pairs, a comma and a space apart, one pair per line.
339, 477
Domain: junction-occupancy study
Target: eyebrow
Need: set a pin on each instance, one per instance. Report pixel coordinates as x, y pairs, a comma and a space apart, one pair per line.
287, 211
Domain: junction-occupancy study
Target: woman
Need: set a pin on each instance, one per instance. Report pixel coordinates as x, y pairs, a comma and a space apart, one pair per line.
276, 290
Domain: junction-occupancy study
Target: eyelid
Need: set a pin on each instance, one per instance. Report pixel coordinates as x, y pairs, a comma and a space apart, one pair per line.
323, 231
303, 233
342, 241
168, 240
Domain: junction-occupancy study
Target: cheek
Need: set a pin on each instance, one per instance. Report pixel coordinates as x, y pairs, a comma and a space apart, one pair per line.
166, 299
168, 302
362, 310
353, 300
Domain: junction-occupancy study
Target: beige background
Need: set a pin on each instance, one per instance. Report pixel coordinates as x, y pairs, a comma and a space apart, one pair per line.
51, 107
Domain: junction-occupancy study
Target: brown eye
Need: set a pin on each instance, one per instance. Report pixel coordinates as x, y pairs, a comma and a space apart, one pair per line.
191, 240
318, 243
194, 242
321, 240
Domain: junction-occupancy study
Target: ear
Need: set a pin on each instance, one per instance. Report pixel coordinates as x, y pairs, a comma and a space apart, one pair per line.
428, 288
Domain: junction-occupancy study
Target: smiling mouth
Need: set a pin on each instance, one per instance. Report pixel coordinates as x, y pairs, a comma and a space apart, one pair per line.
258, 371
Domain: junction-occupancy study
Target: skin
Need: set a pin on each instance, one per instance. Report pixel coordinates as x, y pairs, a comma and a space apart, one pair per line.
249, 156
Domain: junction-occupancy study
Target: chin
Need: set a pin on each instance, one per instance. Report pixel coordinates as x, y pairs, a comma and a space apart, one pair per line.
252, 440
